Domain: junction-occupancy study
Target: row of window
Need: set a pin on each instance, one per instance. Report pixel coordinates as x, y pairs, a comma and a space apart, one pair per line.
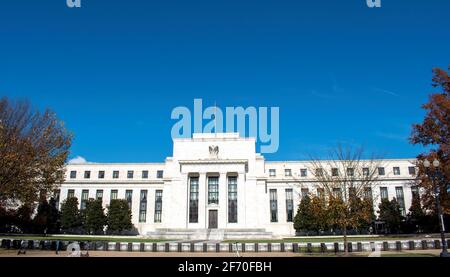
335, 171
213, 197
128, 197
115, 174
274, 205
337, 192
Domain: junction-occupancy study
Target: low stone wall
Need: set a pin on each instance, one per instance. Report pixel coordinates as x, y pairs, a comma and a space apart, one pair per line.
315, 247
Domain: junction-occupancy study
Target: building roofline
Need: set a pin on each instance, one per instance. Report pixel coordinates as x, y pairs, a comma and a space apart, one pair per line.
326, 160
101, 164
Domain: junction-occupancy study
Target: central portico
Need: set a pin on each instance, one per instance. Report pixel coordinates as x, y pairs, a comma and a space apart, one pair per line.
210, 177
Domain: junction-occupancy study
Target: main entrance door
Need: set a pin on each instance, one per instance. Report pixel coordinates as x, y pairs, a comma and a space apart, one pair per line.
212, 219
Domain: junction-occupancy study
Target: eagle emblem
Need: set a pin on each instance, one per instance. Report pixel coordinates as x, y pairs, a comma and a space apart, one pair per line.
213, 150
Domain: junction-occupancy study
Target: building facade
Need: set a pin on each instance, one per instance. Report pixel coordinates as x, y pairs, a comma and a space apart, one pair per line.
215, 186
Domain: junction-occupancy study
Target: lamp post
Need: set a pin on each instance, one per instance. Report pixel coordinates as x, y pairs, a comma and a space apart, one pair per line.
436, 174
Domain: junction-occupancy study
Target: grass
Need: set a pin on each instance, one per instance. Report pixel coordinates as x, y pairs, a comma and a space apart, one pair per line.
83, 238
326, 239
401, 255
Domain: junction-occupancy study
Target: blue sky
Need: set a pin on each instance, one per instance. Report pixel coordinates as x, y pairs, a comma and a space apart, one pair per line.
114, 70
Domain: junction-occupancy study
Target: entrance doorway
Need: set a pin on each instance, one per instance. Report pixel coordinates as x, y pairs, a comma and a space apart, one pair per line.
212, 222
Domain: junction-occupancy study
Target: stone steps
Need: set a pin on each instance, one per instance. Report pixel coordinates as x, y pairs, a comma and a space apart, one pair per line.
210, 234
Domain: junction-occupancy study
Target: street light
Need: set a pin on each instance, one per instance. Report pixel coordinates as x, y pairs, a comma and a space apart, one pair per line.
436, 174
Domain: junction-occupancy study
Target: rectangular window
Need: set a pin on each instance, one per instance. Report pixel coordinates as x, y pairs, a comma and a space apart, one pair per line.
319, 172
305, 193
129, 197
84, 199
73, 174
273, 206
320, 192
115, 174
232, 199
144, 174
70, 193
350, 172
213, 190
87, 174
381, 171
272, 172
101, 174
400, 199
334, 172
337, 192
415, 191
113, 195
351, 192
158, 205
143, 206
193, 200
396, 170
287, 172
130, 174
368, 193
412, 170
159, 174
366, 172
384, 193
289, 205
99, 195
303, 172
57, 196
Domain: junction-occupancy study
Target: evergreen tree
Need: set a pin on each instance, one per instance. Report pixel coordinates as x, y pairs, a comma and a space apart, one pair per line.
416, 215
390, 213
23, 219
303, 220
70, 215
41, 219
47, 218
119, 216
95, 218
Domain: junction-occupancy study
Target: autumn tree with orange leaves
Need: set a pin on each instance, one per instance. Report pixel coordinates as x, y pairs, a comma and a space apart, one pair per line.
33, 150
434, 132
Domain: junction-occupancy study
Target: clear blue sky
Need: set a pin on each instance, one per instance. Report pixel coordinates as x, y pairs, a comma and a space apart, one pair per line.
114, 70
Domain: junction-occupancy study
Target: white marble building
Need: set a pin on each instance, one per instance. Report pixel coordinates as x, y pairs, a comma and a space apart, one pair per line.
215, 186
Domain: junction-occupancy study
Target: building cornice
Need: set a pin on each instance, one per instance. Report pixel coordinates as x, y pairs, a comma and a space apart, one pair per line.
214, 161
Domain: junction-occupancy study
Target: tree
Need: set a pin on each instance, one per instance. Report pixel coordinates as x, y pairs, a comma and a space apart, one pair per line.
70, 215
361, 210
416, 215
303, 220
95, 219
33, 148
23, 219
47, 220
389, 212
434, 132
345, 176
119, 216
319, 212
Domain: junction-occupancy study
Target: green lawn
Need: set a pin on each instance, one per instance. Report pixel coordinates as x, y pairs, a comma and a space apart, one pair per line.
83, 238
337, 239
400, 255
